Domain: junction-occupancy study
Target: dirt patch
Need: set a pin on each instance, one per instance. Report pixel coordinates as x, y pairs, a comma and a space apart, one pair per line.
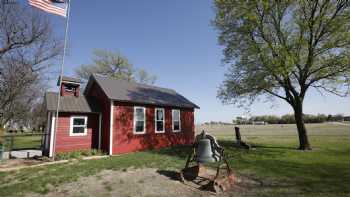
11, 163
134, 182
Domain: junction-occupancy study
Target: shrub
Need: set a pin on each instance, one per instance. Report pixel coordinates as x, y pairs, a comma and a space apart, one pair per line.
68, 155
289, 118
96, 152
77, 154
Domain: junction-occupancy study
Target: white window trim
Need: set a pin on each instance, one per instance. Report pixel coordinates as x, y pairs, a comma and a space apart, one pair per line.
111, 119
172, 120
144, 122
71, 126
155, 120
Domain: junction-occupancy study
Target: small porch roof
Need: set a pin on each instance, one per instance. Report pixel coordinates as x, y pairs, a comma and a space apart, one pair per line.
79, 104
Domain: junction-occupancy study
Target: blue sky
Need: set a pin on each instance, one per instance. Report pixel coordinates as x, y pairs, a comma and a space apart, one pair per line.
173, 40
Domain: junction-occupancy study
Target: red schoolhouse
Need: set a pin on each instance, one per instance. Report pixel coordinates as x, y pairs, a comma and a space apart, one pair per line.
116, 116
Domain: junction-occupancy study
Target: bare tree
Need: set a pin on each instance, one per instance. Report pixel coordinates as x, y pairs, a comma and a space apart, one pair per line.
27, 49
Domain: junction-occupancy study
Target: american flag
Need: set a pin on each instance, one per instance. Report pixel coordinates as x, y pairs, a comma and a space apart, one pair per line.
58, 7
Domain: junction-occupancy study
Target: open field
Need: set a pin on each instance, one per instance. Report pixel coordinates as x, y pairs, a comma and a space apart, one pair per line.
326, 129
323, 171
274, 163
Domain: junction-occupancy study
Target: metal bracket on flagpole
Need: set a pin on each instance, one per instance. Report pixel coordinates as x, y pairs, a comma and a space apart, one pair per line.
60, 79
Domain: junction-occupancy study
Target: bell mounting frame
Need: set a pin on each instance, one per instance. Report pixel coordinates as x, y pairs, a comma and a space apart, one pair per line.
217, 183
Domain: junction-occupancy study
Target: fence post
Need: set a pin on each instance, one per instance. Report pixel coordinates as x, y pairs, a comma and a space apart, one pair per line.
238, 135
42, 143
11, 147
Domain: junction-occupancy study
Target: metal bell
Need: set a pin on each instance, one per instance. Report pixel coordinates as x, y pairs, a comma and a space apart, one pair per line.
204, 153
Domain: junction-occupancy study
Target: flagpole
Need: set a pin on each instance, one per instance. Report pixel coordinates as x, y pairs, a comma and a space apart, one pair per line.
60, 79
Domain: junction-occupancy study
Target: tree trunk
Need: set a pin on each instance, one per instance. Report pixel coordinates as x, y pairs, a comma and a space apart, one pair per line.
303, 138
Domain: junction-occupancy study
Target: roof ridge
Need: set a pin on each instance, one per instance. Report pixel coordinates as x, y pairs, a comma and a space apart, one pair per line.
132, 82
131, 91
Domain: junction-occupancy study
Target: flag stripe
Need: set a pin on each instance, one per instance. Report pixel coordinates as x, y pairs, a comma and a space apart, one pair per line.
47, 3
49, 10
48, 7
61, 13
50, 3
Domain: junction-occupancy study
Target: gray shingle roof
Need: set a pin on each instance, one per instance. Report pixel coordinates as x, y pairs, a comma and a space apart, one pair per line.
68, 79
126, 91
71, 103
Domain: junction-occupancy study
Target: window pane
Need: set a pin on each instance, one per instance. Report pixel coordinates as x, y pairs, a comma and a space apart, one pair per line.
139, 114
159, 125
139, 126
78, 121
176, 115
176, 125
160, 114
78, 129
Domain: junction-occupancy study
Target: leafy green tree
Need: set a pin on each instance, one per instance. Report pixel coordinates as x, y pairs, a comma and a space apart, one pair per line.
144, 77
288, 119
281, 49
115, 65
273, 119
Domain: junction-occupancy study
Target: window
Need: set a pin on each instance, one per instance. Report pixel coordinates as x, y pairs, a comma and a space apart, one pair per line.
139, 120
159, 120
78, 126
176, 120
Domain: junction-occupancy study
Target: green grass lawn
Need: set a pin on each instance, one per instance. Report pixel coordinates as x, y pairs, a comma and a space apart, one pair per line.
24, 142
274, 162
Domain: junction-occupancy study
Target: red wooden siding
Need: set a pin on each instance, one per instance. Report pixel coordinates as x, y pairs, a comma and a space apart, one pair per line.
105, 105
68, 93
124, 140
65, 143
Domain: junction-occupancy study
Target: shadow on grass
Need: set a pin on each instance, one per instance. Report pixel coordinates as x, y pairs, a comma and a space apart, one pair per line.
25, 149
278, 147
181, 152
272, 173
281, 167
231, 144
171, 174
